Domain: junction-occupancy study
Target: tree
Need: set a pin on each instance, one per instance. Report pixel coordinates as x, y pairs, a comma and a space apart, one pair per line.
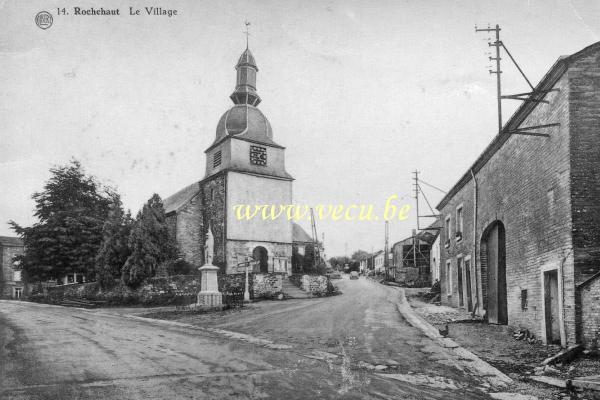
359, 255
114, 249
150, 243
339, 262
71, 210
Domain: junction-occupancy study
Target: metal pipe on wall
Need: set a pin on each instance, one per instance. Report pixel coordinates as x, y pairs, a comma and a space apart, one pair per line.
474, 258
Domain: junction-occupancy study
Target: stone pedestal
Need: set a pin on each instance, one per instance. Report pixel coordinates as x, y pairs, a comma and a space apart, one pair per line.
209, 295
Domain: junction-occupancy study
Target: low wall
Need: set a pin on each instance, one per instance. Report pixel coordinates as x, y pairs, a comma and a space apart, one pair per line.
173, 290
317, 285
170, 290
267, 286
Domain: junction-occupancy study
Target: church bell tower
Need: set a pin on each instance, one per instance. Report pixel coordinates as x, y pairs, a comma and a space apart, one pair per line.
246, 167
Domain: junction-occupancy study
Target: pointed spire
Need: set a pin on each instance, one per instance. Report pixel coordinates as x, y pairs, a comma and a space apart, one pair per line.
245, 89
247, 32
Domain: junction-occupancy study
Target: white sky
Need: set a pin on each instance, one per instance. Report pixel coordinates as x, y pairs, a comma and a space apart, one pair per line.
360, 92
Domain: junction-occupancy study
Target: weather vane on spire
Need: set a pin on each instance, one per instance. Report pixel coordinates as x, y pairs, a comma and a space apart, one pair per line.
247, 32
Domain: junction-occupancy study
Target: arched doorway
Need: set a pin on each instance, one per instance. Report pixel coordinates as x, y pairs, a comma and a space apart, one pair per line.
493, 270
261, 255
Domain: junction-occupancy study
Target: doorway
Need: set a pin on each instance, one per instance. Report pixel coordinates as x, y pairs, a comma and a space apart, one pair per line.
261, 255
551, 296
493, 252
459, 270
468, 281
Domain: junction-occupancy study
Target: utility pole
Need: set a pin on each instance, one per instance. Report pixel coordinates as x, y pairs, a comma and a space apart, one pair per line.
416, 178
415, 231
385, 250
535, 95
498, 71
315, 238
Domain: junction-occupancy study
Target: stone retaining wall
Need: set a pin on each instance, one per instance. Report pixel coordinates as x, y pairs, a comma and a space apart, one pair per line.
267, 286
317, 285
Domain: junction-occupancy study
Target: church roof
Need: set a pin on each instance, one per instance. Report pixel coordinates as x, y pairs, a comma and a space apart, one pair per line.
299, 234
179, 199
11, 241
244, 122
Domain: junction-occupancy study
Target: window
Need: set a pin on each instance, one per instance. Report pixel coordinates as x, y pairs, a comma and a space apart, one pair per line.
258, 155
459, 221
217, 159
447, 228
524, 299
449, 278
17, 276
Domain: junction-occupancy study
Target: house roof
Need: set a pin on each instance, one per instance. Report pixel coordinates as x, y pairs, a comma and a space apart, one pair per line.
11, 241
299, 234
426, 235
179, 199
546, 83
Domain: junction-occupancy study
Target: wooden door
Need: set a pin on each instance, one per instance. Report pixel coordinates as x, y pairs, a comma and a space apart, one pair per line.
497, 312
468, 282
459, 268
551, 300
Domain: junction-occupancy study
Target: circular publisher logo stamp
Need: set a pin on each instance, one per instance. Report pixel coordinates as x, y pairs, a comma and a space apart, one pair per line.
43, 19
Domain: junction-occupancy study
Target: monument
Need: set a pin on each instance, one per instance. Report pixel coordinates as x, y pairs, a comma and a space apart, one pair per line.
209, 295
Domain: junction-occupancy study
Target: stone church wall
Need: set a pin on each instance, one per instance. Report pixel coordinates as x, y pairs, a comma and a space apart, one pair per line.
238, 250
213, 192
189, 226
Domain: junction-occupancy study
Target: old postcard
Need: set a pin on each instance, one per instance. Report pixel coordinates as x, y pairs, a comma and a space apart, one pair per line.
300, 199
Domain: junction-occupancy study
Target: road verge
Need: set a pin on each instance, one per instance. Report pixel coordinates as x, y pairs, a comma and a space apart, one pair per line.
470, 361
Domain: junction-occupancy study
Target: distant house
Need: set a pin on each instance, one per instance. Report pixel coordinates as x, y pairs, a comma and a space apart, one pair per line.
364, 264
412, 257
379, 261
300, 239
303, 245
12, 284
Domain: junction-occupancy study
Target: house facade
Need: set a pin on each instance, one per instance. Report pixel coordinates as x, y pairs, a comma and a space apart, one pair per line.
520, 242
12, 284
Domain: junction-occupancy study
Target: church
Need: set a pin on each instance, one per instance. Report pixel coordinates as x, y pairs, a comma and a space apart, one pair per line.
244, 166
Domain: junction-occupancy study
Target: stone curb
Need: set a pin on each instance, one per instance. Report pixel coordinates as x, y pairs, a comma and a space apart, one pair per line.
475, 364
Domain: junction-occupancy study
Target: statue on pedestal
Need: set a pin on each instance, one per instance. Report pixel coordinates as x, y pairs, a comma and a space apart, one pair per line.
209, 295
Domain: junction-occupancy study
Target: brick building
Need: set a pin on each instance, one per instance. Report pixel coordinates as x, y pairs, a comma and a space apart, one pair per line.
11, 279
244, 166
521, 237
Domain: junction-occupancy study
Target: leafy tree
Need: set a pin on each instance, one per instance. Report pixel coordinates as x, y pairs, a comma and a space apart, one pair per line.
339, 262
71, 210
150, 243
359, 255
114, 249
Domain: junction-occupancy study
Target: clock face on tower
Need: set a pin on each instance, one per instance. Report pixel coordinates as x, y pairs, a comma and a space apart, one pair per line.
258, 155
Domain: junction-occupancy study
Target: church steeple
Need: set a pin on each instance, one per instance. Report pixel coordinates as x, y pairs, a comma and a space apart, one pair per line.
245, 89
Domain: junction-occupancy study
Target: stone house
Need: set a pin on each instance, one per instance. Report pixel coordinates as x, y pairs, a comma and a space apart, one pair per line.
520, 242
12, 284
245, 167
